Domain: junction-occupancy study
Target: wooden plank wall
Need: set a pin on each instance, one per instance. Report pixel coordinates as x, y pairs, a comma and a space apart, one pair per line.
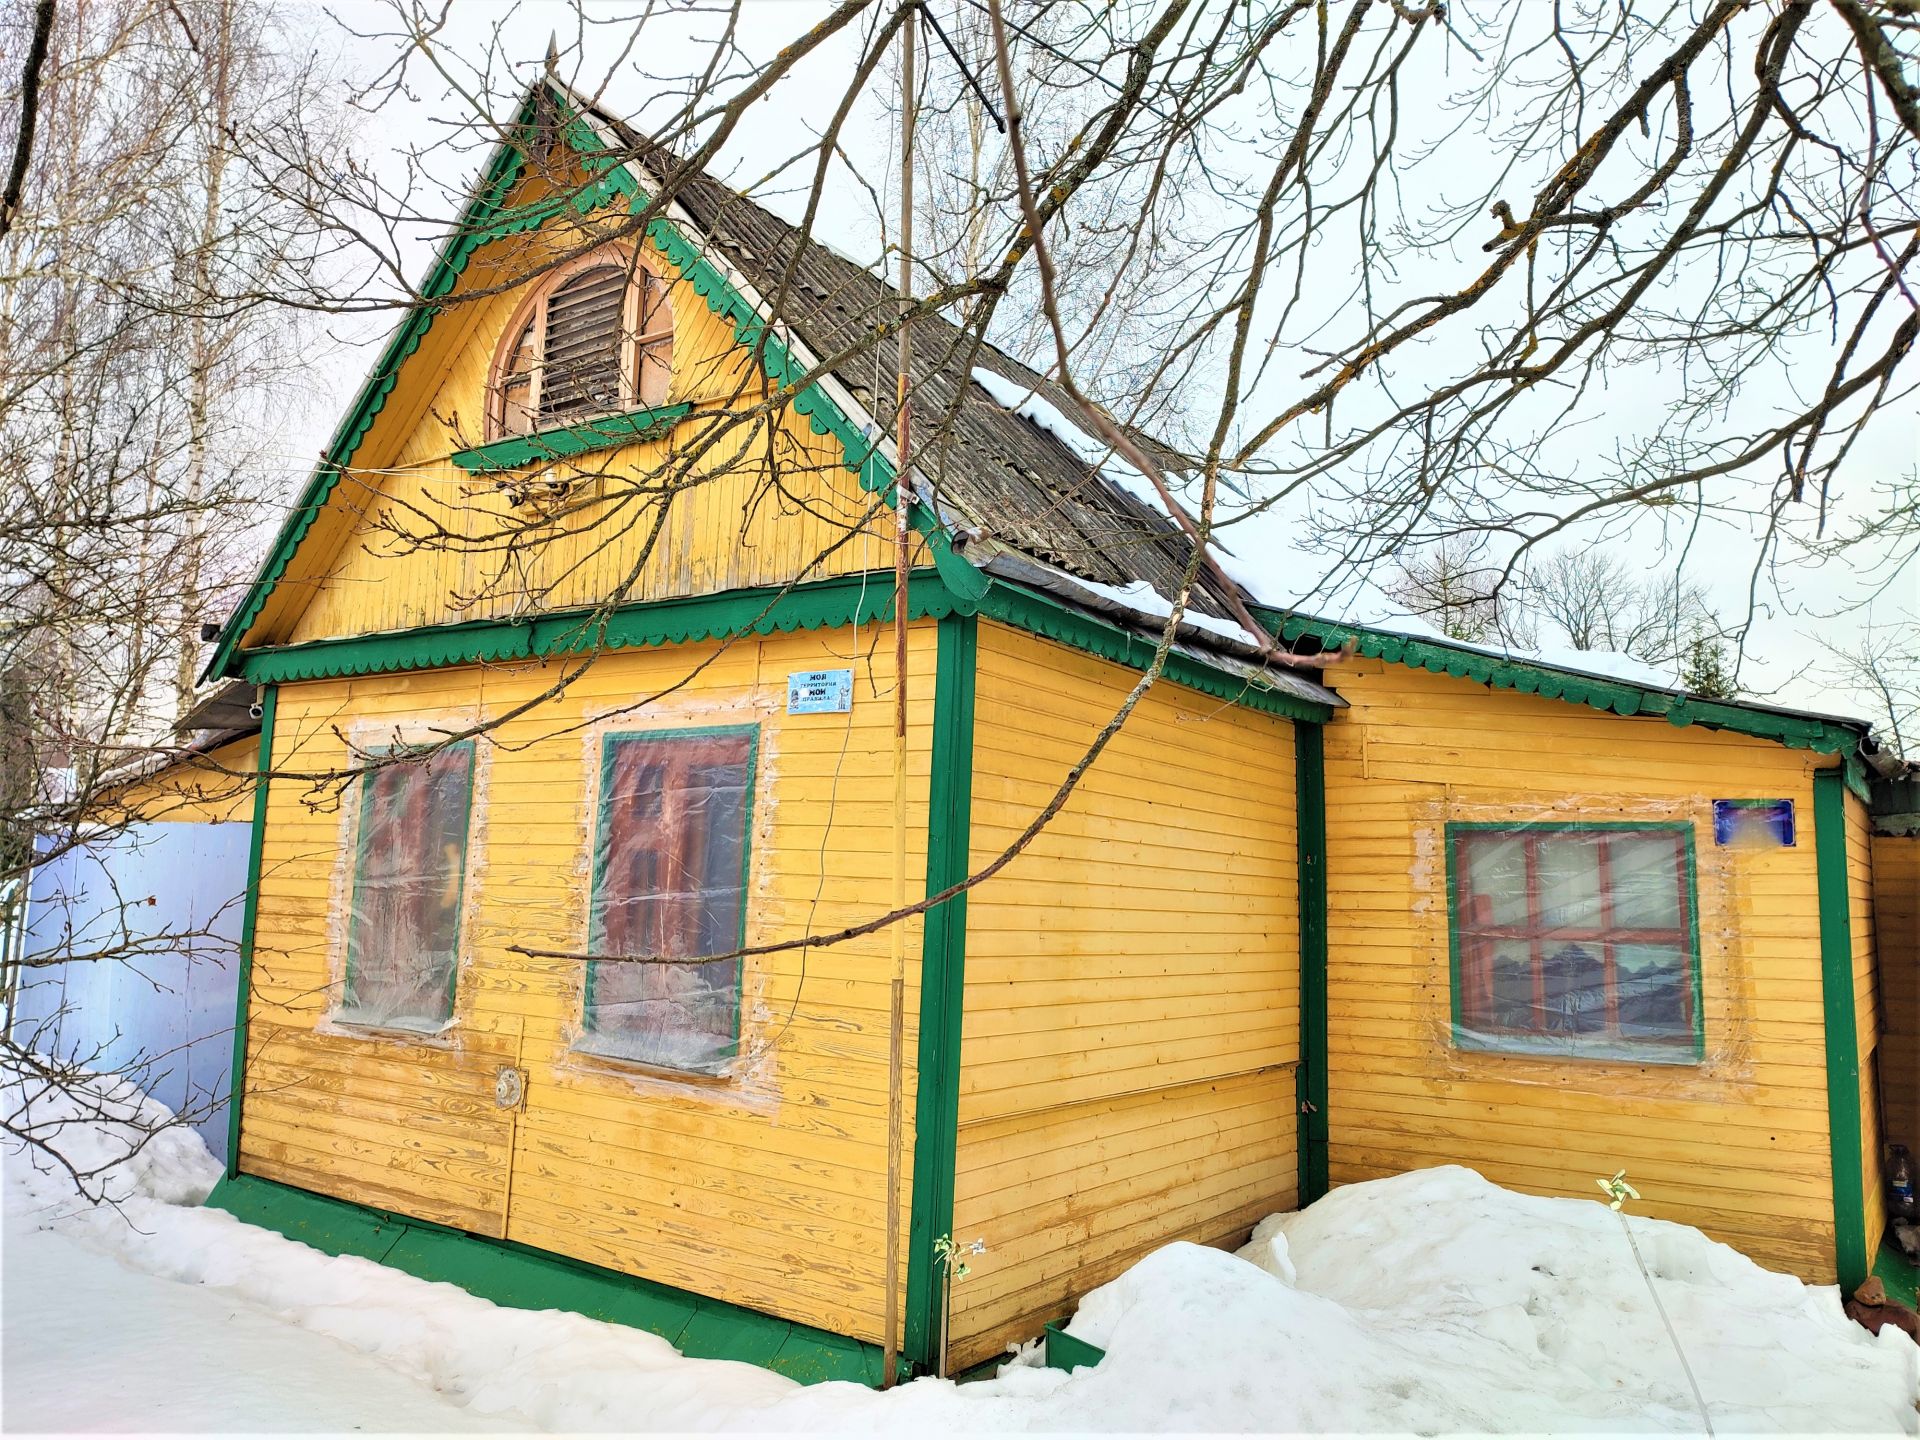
766, 1189
1737, 1145
209, 789
1896, 915
1132, 986
1867, 1015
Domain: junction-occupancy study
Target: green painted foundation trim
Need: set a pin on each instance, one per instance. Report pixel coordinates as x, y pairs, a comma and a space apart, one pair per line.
812, 605
1310, 785
1045, 616
1843, 1040
562, 444
1899, 1275
523, 1278
1069, 1352
1620, 697
942, 987
249, 916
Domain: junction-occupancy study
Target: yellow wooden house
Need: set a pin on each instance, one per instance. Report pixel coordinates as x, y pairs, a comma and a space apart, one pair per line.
574, 649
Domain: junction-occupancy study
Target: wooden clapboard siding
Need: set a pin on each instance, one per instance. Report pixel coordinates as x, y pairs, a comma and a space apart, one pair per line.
766, 1190
755, 502
1132, 986
1896, 915
209, 789
1867, 1014
1738, 1144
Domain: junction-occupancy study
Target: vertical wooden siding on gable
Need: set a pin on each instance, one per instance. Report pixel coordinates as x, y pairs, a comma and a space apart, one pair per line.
1132, 985
768, 1193
1867, 1017
1896, 916
1738, 1145
732, 529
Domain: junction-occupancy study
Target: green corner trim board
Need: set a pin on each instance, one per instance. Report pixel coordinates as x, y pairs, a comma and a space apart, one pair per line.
942, 987
1844, 1125
249, 916
523, 1278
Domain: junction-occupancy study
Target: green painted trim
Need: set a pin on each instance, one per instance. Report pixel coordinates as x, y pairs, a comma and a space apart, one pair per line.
812, 605
1069, 1352
362, 834
942, 985
596, 934
1618, 697
1313, 1131
249, 920
1045, 616
523, 1278
1845, 1130
605, 433
1899, 1274
1684, 828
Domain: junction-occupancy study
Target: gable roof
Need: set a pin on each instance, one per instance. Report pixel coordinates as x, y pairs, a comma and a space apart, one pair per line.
1043, 513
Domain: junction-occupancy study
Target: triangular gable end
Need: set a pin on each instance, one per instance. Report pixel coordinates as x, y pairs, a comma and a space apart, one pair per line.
828, 408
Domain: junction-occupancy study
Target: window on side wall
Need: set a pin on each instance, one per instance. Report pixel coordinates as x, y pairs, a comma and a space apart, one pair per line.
1576, 941
410, 864
670, 879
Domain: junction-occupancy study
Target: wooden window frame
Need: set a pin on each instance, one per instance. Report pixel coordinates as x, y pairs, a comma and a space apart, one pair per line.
1607, 1046
640, 274
602, 843
361, 850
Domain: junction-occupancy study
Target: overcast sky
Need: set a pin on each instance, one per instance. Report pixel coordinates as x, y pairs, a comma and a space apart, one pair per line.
1803, 612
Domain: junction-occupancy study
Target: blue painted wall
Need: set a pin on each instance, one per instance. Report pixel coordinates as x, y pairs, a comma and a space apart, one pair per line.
160, 904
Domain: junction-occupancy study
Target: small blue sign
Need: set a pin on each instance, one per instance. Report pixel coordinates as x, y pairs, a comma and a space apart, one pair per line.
1750, 823
820, 692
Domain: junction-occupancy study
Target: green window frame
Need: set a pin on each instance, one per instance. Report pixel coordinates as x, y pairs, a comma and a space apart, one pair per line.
666, 881
405, 906
1576, 940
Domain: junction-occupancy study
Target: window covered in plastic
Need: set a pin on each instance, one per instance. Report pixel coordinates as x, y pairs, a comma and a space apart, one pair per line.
670, 879
403, 931
1576, 941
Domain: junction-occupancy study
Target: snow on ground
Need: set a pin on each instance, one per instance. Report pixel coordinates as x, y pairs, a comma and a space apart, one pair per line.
1430, 1302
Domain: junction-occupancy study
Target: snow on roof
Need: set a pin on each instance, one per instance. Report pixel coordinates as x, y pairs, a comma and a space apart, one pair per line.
1033, 407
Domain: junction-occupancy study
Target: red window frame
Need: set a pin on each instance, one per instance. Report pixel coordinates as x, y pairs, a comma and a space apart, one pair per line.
1478, 939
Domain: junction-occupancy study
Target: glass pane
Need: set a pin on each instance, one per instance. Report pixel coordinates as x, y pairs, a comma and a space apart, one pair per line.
1569, 881
1496, 868
403, 932
671, 882
1646, 877
1656, 1001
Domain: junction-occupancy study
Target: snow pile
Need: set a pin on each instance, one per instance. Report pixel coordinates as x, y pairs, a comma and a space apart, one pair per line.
1434, 1301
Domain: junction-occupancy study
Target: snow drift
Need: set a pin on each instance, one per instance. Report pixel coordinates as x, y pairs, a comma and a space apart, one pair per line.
1434, 1301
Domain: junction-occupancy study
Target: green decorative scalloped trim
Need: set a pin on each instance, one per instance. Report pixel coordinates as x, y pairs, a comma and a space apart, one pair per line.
1618, 697
605, 433
818, 605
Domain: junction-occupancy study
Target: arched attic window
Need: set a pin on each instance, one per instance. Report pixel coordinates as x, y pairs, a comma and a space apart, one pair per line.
595, 339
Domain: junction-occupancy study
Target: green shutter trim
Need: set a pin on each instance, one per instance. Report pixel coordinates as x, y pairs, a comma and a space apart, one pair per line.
1310, 786
1843, 1037
544, 445
523, 1278
1619, 697
249, 917
942, 986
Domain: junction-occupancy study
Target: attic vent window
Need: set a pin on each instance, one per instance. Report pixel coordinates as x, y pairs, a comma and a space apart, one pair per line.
595, 339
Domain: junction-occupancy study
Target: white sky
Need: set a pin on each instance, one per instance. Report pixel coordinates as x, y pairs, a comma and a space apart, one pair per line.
1802, 613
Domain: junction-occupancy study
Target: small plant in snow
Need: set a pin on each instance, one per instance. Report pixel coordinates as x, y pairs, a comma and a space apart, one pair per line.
1618, 1192
952, 1260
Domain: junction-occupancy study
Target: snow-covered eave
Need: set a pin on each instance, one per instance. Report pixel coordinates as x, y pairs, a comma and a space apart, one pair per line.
1845, 735
1192, 639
